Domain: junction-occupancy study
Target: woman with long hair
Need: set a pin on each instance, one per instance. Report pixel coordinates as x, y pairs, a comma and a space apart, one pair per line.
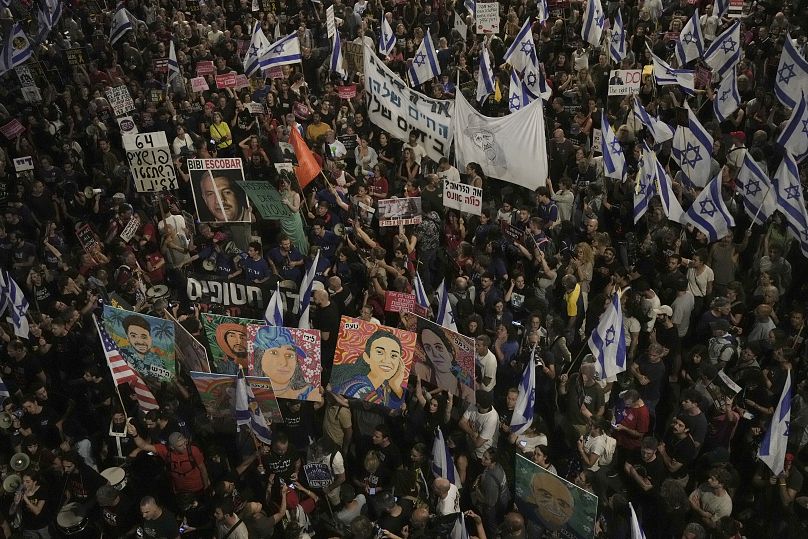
278, 357
293, 226
29, 505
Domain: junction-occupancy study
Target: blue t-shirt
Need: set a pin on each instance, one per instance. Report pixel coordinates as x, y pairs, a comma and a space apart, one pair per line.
254, 269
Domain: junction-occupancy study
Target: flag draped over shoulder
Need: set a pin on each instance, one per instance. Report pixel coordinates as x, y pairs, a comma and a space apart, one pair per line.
792, 75
247, 412
608, 341
511, 148
772, 449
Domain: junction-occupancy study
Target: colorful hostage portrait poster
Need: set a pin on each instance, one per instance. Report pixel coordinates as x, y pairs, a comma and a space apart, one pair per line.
550, 503
146, 342
443, 358
191, 354
217, 393
289, 358
372, 362
227, 342
218, 195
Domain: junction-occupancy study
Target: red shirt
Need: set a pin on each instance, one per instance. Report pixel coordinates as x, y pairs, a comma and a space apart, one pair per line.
184, 468
635, 419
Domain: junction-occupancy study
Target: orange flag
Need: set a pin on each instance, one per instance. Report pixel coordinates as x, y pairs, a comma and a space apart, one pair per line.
307, 167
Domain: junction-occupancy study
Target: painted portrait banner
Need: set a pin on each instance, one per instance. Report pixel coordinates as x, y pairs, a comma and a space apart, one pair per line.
227, 342
219, 196
372, 362
191, 353
146, 342
443, 358
549, 502
216, 391
289, 358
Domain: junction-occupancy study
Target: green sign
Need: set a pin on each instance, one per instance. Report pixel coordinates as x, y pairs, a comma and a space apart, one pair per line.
267, 200
549, 502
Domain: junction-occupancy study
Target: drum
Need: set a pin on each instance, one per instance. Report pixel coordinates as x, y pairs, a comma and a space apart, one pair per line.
71, 519
116, 477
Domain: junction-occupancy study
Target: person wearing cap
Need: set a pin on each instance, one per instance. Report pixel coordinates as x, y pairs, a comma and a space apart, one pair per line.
186, 464
118, 511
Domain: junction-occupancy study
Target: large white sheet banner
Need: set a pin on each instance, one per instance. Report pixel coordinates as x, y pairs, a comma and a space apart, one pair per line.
397, 109
512, 148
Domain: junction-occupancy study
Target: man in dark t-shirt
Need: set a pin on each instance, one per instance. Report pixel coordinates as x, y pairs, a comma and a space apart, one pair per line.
157, 522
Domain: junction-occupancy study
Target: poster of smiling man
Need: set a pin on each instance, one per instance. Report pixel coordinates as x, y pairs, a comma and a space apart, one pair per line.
443, 358
218, 195
372, 362
227, 342
146, 342
289, 358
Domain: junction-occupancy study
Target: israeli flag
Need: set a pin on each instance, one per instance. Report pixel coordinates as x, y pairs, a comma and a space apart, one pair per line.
259, 45
471, 6
665, 75
485, 77
515, 93
48, 15
16, 50
16, 302
387, 39
424, 64
691, 41
535, 83
792, 75
522, 52
790, 201
709, 213
720, 8
725, 51
336, 63
421, 298
636, 530
727, 99
543, 12
659, 130
173, 65
614, 161
120, 25
608, 341
285, 51
445, 316
442, 463
756, 188
794, 137
305, 293
247, 412
617, 39
522, 417
670, 204
273, 315
692, 149
645, 184
772, 449
592, 30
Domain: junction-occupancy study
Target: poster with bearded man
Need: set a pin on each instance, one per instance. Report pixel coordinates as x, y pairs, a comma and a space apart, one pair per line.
218, 194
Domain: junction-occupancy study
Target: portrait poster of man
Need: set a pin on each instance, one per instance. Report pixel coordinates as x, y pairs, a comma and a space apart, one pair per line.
289, 358
549, 502
372, 362
443, 358
227, 342
218, 196
191, 353
146, 342
217, 393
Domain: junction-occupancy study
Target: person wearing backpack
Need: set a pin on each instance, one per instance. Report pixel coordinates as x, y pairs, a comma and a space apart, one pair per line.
185, 462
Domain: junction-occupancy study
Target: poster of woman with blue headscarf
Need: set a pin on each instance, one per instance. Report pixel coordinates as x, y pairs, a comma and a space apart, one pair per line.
289, 357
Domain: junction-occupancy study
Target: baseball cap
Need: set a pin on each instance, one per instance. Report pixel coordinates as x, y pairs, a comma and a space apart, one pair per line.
664, 309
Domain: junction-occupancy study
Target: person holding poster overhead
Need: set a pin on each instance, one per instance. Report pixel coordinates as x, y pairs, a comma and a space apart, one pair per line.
278, 358
223, 198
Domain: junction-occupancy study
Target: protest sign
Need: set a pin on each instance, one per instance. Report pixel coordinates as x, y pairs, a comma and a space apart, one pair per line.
120, 100
190, 353
736, 9
161, 65
127, 125
25, 76
553, 503
443, 358
87, 238
266, 200
31, 94
130, 229
227, 342
12, 129
597, 137
205, 67
21, 164
216, 391
218, 189
241, 82
150, 161
399, 211
289, 358
397, 109
236, 296
145, 342
354, 54
487, 17
398, 302
330, 22
372, 362
624, 81
255, 108
226, 80
463, 197
199, 84
346, 92
318, 474
511, 232
275, 72
75, 57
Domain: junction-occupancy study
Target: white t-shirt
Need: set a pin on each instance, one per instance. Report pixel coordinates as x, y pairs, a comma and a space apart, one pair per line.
530, 443
682, 308
451, 174
485, 425
450, 504
596, 445
418, 151
697, 284
488, 368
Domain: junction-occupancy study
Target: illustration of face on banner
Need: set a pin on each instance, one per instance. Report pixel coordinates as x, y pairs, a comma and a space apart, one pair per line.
372, 362
289, 358
218, 197
443, 358
191, 354
227, 341
549, 502
217, 393
146, 342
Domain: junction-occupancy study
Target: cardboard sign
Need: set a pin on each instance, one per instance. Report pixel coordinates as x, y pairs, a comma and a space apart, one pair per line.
130, 229
127, 125
330, 22
266, 200
255, 108
205, 67
624, 81
120, 100
75, 57
463, 197
12, 129
398, 302
21, 164
87, 238
241, 82
487, 16
227, 80
399, 211
346, 92
597, 136
150, 161
199, 84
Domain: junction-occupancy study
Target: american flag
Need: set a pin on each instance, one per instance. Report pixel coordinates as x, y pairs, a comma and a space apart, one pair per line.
122, 372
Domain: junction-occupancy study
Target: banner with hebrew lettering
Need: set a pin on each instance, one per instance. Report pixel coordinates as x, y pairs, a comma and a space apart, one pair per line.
146, 342
221, 292
397, 109
227, 342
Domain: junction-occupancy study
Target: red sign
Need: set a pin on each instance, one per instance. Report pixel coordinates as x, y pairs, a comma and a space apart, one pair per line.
241, 82
161, 65
276, 72
12, 129
398, 302
228, 80
205, 68
346, 92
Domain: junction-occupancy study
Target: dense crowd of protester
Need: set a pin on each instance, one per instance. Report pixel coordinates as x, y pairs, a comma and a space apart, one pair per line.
662, 435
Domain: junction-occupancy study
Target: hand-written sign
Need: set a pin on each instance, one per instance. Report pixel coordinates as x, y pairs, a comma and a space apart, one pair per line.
398, 302
463, 197
87, 238
75, 57
149, 157
120, 100
267, 200
199, 84
318, 474
487, 17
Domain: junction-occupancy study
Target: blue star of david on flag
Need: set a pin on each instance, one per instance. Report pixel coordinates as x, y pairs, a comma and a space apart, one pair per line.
616, 147
419, 60
531, 79
515, 102
527, 47
786, 73
689, 38
725, 94
610, 333
753, 187
615, 38
696, 155
728, 46
805, 126
793, 191
708, 208
278, 49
